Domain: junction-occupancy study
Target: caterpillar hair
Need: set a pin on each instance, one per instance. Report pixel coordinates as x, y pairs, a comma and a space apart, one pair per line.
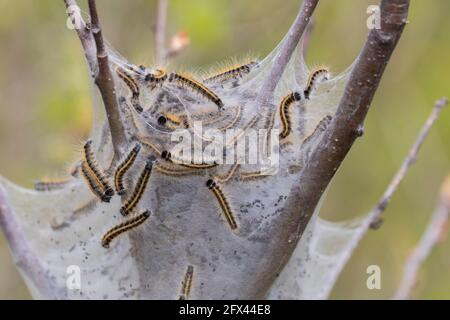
212, 185
318, 75
139, 189
92, 165
51, 184
148, 144
123, 168
232, 73
123, 227
187, 283
196, 86
166, 155
285, 115
132, 85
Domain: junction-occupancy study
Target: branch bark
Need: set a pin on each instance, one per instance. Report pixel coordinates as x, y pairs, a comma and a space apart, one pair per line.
346, 125
429, 240
160, 33
105, 83
280, 62
84, 34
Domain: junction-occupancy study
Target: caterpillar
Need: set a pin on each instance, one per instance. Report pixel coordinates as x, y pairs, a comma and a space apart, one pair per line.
187, 283
318, 75
96, 189
123, 168
196, 86
157, 77
51, 184
166, 155
123, 227
139, 189
132, 85
212, 185
92, 166
174, 172
232, 73
285, 116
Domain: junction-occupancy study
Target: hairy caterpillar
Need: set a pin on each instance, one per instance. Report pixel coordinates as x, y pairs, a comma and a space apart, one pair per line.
187, 283
123, 168
231, 73
132, 85
139, 189
285, 115
93, 174
96, 189
212, 185
123, 227
196, 86
318, 75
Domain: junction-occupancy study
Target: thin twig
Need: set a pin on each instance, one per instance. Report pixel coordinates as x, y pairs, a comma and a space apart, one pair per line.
432, 236
409, 161
160, 33
84, 34
105, 83
23, 255
284, 55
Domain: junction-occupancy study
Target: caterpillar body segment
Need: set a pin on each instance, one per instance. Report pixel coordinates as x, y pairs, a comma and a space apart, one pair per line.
123, 167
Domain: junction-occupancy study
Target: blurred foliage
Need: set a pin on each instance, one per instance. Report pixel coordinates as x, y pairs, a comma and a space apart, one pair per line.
45, 108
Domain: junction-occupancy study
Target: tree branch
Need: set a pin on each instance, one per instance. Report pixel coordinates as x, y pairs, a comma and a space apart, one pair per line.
346, 125
160, 33
432, 236
84, 34
284, 55
105, 83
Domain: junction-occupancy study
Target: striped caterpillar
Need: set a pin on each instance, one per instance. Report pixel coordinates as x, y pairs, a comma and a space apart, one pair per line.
123, 168
212, 185
318, 75
123, 227
285, 116
94, 176
194, 85
138, 190
187, 283
231, 73
132, 85
166, 155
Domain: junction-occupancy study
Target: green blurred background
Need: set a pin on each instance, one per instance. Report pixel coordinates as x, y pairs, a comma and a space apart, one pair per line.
45, 105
